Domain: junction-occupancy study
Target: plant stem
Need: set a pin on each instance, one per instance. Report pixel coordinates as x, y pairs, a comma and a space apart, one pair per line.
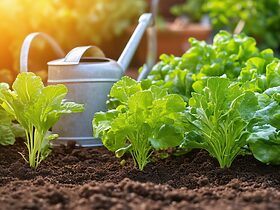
34, 144
141, 150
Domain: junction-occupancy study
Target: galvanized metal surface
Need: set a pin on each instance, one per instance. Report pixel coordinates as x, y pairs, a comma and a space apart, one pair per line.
24, 53
88, 83
145, 21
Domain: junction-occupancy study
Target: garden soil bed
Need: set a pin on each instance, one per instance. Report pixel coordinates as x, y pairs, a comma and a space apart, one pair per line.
92, 178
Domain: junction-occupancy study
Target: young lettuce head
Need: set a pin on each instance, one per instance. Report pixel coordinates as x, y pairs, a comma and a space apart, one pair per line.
264, 140
232, 56
217, 119
145, 120
37, 109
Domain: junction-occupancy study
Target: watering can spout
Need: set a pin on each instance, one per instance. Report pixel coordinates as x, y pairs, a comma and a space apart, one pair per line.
145, 21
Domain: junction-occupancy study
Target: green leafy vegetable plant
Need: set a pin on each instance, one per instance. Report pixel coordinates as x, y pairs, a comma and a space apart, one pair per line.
232, 56
217, 119
37, 109
232, 69
146, 119
226, 56
264, 140
8, 130
261, 73
6, 134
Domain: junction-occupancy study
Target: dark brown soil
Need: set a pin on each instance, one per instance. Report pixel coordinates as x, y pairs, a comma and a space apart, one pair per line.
81, 179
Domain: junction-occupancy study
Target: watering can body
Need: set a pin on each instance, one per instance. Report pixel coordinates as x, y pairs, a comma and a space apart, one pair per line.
89, 81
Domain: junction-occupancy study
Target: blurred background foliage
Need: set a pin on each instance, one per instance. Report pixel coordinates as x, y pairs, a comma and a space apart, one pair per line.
102, 22
70, 22
261, 18
191, 8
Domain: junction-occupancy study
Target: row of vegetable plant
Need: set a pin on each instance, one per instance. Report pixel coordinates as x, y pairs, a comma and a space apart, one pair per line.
221, 97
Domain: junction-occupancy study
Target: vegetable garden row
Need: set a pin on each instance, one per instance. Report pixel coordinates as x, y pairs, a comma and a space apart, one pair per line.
222, 97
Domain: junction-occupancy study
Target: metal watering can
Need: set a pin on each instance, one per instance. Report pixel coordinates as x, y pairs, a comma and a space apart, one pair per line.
89, 79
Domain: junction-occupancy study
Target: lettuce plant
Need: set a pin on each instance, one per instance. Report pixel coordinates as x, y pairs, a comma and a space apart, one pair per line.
232, 56
7, 136
261, 73
226, 56
217, 118
264, 140
146, 119
37, 109
8, 130
231, 69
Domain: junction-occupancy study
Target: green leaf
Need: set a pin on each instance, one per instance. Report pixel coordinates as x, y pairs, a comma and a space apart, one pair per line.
264, 142
140, 101
18, 130
46, 109
5, 118
71, 107
158, 92
175, 103
168, 136
193, 139
114, 140
198, 86
102, 122
28, 86
121, 151
8, 130
248, 106
270, 108
256, 63
7, 136
124, 88
271, 91
273, 74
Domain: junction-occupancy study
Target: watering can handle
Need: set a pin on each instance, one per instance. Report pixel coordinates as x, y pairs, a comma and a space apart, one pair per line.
75, 55
24, 53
